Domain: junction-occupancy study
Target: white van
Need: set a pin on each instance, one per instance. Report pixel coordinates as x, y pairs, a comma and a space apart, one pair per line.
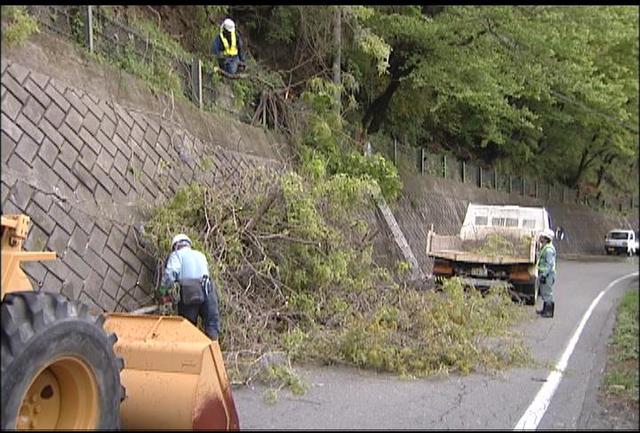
621, 241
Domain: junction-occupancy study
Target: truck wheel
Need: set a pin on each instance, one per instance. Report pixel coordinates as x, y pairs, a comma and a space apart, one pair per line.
529, 292
59, 370
536, 291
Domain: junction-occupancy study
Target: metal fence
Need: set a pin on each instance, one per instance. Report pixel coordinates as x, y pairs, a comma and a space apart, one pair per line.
98, 31
409, 159
63, 20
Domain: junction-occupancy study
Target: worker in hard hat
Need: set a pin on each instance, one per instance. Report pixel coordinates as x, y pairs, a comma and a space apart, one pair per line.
198, 295
229, 48
547, 272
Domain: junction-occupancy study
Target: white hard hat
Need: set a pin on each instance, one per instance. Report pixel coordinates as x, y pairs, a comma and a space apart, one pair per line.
229, 25
179, 238
547, 233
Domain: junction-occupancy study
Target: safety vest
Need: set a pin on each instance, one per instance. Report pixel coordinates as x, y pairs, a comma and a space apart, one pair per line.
229, 50
543, 268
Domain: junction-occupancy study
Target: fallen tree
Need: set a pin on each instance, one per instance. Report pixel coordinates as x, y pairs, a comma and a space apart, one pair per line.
293, 261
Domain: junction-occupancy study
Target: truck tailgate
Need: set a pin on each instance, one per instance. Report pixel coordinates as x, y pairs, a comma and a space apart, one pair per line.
465, 256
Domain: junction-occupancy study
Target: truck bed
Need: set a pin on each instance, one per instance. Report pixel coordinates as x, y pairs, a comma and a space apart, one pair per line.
469, 257
453, 248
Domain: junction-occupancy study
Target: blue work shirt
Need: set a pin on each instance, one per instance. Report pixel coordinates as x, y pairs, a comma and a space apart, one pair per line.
184, 263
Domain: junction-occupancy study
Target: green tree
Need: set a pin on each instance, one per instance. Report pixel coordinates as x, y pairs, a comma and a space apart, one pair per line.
518, 86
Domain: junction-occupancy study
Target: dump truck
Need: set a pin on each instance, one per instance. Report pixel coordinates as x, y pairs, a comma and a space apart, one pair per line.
65, 366
497, 244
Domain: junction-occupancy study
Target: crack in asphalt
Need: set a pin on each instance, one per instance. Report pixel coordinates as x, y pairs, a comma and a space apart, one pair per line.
461, 393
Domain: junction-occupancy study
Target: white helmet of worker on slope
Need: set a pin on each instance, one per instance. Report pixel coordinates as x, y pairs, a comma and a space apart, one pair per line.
179, 238
547, 233
229, 25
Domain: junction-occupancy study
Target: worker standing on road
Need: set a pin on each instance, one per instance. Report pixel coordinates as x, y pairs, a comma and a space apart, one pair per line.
189, 268
547, 272
229, 48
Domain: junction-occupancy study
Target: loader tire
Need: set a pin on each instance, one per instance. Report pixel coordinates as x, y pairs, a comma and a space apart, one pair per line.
59, 370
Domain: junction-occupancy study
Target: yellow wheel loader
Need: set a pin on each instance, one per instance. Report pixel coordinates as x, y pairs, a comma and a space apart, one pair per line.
65, 367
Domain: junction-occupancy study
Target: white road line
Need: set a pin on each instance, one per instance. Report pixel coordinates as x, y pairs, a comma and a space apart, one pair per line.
534, 413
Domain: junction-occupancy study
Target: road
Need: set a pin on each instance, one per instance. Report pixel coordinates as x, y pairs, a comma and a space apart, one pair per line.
345, 398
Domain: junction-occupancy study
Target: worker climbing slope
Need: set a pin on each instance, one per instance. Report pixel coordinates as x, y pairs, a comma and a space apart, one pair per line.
228, 47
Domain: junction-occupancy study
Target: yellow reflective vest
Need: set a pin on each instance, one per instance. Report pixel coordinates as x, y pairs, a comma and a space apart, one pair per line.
547, 260
229, 50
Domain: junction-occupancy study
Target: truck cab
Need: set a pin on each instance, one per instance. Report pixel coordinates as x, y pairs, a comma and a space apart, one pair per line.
508, 220
621, 241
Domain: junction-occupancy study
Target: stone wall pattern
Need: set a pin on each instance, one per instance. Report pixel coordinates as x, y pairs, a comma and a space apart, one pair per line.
83, 168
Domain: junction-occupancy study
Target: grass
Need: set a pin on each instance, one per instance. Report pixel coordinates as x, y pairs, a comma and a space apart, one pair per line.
621, 379
21, 25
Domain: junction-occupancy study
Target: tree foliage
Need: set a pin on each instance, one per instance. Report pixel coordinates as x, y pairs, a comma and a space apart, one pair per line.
537, 89
541, 90
546, 91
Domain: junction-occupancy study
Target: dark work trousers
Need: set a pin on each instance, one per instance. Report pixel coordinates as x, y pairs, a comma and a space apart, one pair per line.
230, 64
208, 310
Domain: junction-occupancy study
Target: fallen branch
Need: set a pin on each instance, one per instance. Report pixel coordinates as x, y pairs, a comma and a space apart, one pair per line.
270, 200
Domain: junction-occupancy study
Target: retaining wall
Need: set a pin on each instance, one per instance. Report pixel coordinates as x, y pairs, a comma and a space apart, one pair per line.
84, 167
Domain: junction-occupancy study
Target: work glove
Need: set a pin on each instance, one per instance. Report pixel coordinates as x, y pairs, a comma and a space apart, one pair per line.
543, 279
174, 293
165, 305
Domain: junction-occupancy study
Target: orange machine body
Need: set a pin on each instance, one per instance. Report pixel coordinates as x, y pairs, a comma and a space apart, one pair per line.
173, 373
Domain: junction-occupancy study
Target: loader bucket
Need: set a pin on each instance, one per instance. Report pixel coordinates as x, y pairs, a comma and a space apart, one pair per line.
174, 375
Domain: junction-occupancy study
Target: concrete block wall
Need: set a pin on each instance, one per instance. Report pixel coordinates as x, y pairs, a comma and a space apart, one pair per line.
84, 168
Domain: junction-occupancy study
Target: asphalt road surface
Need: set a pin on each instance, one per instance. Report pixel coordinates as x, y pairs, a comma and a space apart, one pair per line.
551, 396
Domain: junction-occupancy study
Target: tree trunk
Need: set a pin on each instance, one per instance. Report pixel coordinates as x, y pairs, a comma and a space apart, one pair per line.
337, 40
604, 166
585, 160
377, 112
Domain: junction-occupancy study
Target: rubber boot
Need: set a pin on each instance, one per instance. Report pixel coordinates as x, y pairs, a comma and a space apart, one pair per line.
549, 310
545, 307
